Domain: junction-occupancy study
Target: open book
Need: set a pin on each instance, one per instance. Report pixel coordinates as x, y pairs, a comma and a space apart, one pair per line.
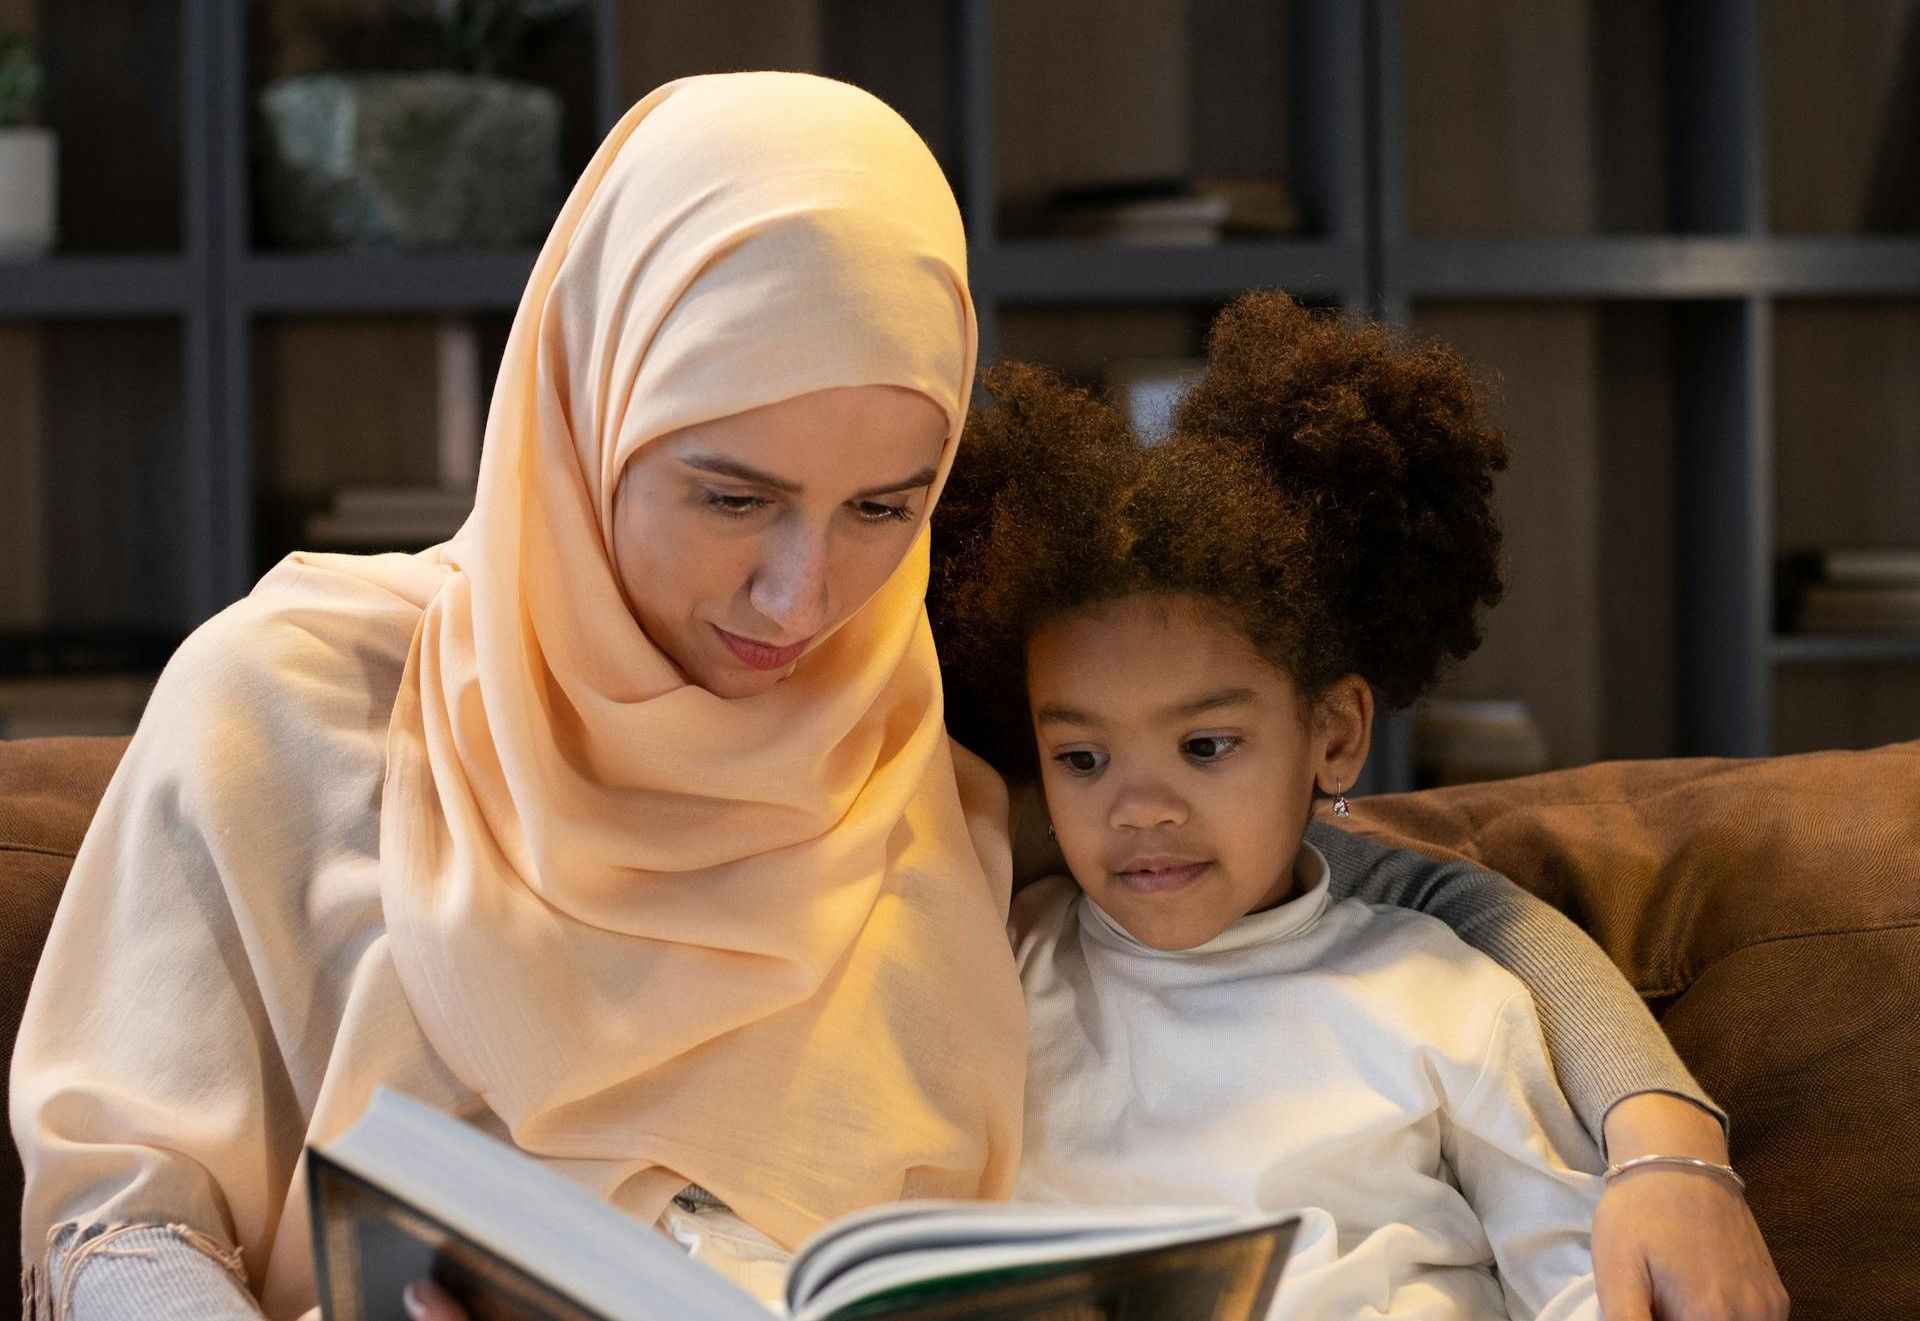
408, 1193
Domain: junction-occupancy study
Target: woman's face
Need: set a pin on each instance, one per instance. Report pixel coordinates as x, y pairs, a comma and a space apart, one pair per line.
742, 541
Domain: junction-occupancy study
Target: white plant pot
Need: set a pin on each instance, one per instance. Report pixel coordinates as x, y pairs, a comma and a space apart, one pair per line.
28, 159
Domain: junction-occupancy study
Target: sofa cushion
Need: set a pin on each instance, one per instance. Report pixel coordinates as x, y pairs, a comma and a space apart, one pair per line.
1769, 911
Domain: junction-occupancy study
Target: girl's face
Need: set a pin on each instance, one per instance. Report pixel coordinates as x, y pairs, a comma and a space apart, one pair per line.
742, 541
1178, 763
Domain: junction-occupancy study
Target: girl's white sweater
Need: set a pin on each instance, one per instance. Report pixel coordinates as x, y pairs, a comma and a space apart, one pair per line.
1358, 1062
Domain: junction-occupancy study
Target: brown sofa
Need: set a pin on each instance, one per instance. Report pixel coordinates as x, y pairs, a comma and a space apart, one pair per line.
1769, 911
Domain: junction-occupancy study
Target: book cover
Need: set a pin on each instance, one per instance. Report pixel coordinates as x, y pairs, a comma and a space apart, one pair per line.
409, 1194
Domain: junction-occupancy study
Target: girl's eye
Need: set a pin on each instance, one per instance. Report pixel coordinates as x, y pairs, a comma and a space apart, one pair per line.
734, 504
1081, 761
874, 511
1211, 747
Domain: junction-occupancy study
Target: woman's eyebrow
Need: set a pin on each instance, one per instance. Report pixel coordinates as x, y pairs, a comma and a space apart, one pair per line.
721, 466
922, 478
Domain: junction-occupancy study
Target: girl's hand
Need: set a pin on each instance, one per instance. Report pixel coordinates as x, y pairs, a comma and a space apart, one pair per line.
427, 1301
1671, 1244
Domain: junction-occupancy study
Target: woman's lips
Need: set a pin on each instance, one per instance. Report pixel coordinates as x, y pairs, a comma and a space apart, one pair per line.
1154, 878
758, 655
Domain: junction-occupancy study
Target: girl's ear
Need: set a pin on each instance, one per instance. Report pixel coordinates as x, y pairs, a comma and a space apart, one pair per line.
1343, 733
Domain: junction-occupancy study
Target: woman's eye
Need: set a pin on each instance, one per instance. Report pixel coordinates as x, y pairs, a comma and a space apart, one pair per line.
734, 504
873, 511
1211, 747
1081, 761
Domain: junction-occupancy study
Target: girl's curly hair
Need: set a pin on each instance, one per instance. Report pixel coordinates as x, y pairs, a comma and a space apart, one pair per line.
1327, 483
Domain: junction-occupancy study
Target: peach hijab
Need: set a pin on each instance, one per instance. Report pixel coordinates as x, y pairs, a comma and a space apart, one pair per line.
759, 942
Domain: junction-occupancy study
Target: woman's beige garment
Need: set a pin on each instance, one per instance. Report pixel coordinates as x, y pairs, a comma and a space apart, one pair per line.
452, 823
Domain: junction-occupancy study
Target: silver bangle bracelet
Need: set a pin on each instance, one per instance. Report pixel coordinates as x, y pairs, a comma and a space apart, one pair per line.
1684, 1162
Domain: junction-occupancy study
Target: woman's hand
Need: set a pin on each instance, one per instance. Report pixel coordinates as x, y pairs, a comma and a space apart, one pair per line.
1671, 1244
427, 1301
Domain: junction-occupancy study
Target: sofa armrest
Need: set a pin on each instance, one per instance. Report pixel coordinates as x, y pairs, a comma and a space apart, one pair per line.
49, 789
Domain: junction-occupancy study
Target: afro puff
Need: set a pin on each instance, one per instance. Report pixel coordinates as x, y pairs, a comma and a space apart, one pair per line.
1327, 483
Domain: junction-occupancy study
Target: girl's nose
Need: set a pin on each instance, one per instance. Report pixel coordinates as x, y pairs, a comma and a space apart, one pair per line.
1146, 805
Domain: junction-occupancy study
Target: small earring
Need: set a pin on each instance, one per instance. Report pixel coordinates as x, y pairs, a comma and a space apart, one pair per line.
1340, 808
1051, 837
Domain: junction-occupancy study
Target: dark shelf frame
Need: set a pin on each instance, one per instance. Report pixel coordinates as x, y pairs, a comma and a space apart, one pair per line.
1845, 649
115, 285
1044, 271
1664, 267
249, 284
1332, 146
1720, 270
383, 282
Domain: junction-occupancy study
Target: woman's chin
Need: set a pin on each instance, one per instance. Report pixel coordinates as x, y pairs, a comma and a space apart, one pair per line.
734, 680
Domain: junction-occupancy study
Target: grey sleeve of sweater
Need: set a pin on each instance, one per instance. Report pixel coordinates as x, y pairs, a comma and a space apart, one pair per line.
1604, 1044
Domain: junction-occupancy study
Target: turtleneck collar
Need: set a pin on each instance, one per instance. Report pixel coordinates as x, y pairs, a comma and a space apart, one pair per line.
1284, 921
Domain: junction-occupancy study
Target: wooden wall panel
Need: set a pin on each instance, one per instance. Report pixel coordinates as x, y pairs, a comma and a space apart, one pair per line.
348, 401
1124, 113
1844, 706
1543, 641
1843, 141
23, 570
1847, 422
1635, 530
1499, 118
659, 43
114, 474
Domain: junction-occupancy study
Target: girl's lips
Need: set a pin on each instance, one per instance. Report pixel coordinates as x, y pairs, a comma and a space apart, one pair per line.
758, 655
1160, 880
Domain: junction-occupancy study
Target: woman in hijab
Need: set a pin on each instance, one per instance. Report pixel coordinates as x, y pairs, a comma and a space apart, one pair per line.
623, 825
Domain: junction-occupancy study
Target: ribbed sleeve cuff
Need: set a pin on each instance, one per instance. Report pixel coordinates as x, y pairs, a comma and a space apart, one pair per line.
137, 1272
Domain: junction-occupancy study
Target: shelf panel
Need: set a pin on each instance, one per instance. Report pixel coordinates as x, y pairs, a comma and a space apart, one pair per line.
385, 282
1069, 271
1043, 271
1667, 266
58, 288
1659, 266
1862, 267
1805, 649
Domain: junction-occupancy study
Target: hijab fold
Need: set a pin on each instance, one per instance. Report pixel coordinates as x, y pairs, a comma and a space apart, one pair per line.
757, 942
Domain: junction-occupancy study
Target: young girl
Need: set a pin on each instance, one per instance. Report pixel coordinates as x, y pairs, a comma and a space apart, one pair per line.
1195, 635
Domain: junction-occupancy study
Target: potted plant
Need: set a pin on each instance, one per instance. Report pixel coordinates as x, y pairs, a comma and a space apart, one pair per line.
27, 156
431, 142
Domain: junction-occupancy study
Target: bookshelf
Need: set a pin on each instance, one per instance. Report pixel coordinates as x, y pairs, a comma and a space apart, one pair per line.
1579, 196
1683, 256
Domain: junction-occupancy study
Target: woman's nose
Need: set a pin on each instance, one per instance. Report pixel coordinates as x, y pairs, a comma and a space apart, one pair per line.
790, 586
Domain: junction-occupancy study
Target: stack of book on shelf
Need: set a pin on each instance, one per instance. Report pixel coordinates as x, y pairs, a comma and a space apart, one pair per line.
368, 518
409, 1193
1201, 210
1457, 741
1866, 589
56, 684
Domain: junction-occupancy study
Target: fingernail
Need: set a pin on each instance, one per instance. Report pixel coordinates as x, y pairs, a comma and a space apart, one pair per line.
410, 1299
